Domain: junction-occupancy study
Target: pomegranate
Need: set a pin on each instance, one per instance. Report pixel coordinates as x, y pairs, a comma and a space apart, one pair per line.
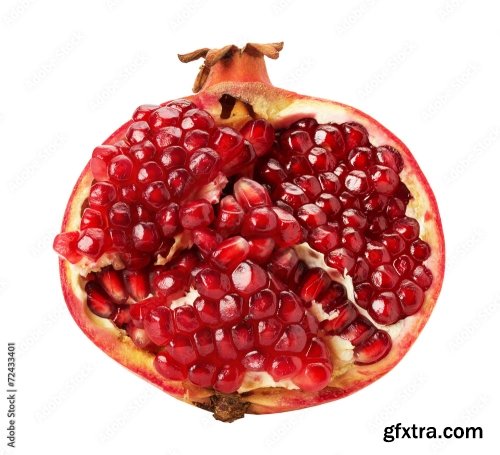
248, 249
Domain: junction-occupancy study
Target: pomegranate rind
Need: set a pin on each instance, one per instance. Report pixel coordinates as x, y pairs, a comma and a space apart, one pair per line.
280, 107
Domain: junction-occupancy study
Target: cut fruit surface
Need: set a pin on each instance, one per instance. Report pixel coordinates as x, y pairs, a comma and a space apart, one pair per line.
248, 249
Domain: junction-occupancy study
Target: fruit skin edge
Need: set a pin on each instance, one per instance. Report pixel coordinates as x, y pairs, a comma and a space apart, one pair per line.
272, 399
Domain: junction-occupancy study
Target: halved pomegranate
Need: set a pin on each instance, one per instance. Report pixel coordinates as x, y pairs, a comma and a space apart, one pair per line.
248, 249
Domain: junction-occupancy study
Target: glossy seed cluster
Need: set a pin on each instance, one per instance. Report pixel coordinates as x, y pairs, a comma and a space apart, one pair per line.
236, 299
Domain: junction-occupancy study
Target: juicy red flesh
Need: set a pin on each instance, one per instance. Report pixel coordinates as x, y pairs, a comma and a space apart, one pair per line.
322, 185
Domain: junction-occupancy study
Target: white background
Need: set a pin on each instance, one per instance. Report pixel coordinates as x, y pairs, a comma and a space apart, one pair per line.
71, 72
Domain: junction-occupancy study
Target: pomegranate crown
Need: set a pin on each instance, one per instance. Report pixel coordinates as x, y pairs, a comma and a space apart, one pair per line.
224, 55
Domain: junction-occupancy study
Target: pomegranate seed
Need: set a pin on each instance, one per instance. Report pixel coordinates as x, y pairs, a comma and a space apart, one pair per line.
91, 218
407, 227
340, 259
158, 325
136, 283
212, 284
373, 349
329, 182
290, 308
330, 138
139, 337
260, 250
167, 282
360, 158
120, 169
167, 136
385, 277
260, 134
269, 331
230, 216
185, 319
173, 157
230, 308
197, 119
156, 194
181, 105
229, 253
420, 250
353, 240
292, 195
179, 183
361, 270
102, 194
355, 135
243, 337
311, 215
321, 159
144, 111
299, 165
354, 218
202, 374
139, 310
384, 179
119, 215
395, 208
377, 226
411, 297
98, 301
284, 263
296, 141
196, 214
101, 156
307, 123
356, 182
164, 116
393, 242
195, 139
168, 368
259, 221
145, 237
284, 367
272, 172
228, 143
140, 213
375, 203
142, 152
314, 377
324, 238
348, 200
385, 309
343, 315
309, 184
250, 194
334, 296
289, 232
167, 218
111, 282
204, 164
363, 294
314, 283
91, 243
404, 265
423, 277
150, 171
249, 278
129, 193
224, 345
294, 339
254, 361
229, 379
204, 342
377, 254
359, 331
137, 132
262, 305
206, 240
316, 349
181, 349
329, 204
390, 157
309, 323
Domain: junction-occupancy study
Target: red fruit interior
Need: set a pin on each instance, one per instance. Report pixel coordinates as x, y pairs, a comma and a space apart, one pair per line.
229, 252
